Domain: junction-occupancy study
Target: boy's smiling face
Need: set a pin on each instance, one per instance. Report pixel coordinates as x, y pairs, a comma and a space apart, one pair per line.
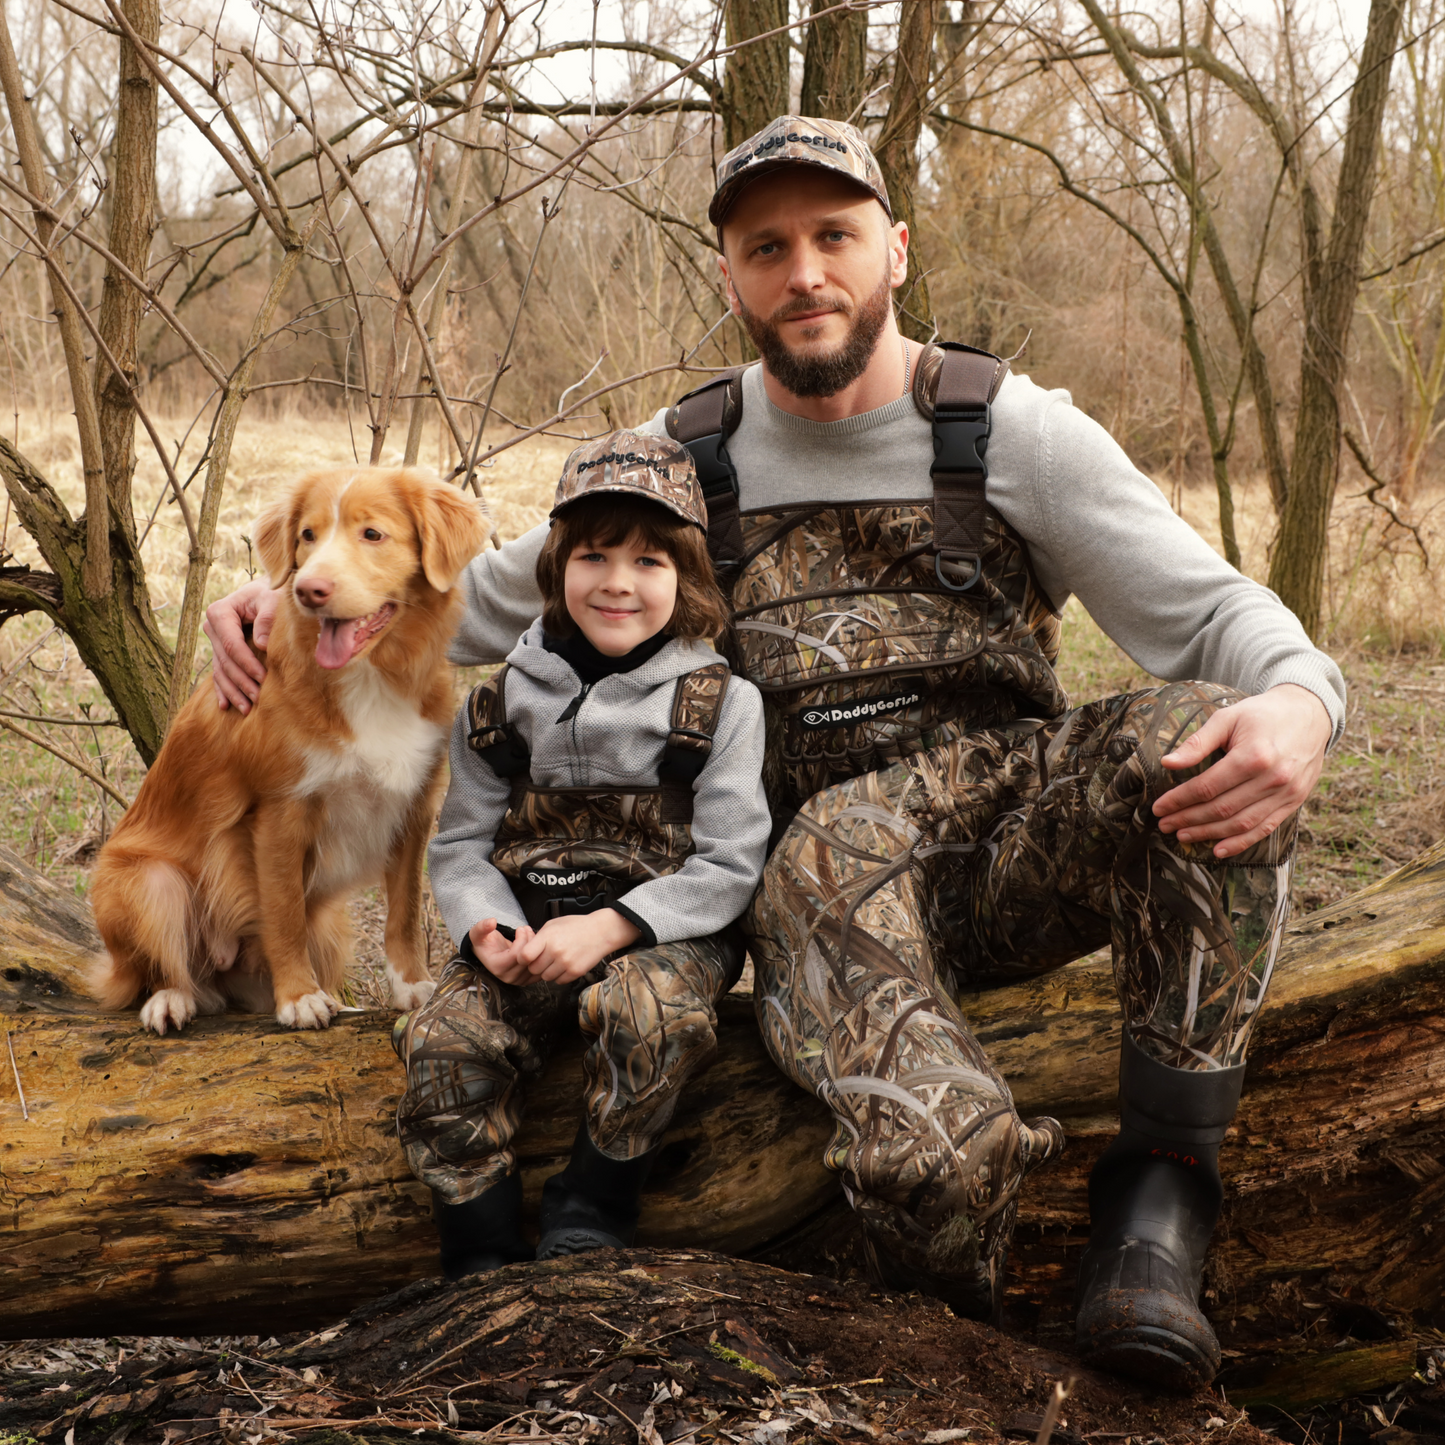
620, 596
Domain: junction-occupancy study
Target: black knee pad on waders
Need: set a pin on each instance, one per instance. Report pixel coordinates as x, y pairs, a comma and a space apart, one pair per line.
1154, 1199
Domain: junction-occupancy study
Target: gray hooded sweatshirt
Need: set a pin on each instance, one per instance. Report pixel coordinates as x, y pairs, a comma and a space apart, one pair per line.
615, 739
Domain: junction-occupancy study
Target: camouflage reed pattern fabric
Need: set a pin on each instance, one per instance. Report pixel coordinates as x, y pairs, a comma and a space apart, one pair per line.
864, 658
833, 145
469, 1051
995, 857
657, 468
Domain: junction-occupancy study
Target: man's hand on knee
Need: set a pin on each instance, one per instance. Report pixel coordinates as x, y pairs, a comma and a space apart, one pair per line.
236, 672
1274, 747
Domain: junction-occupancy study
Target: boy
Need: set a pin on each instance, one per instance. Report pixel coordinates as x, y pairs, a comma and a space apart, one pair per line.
606, 807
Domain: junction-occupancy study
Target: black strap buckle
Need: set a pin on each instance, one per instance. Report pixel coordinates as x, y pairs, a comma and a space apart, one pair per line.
577, 903
716, 474
960, 440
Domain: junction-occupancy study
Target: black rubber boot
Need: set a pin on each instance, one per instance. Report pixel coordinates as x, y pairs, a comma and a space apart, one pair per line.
593, 1203
1154, 1199
484, 1233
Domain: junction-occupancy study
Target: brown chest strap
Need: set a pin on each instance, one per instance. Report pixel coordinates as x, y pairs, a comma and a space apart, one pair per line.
968, 380
702, 421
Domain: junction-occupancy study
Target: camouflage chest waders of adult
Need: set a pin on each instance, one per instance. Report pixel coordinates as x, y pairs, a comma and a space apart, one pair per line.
956, 825
648, 1013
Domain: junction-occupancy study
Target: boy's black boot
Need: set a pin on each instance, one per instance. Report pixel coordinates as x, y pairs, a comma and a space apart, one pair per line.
1154, 1199
484, 1233
594, 1202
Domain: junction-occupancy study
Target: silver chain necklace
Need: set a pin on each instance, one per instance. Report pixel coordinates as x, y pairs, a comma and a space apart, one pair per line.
907, 365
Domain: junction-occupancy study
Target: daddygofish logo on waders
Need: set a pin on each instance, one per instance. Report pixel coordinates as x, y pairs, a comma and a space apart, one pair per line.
553, 879
846, 714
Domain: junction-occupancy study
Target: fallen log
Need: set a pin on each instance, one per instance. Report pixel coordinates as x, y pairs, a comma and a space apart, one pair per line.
242, 1178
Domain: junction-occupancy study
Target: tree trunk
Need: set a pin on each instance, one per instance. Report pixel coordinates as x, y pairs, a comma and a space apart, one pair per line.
897, 152
755, 83
159, 1182
1297, 571
132, 225
116, 635
835, 63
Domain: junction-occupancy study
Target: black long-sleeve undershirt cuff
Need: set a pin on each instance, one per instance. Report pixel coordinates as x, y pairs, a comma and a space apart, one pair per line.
646, 938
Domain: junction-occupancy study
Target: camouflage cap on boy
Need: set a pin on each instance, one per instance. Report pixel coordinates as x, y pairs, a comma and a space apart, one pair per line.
797, 140
630, 461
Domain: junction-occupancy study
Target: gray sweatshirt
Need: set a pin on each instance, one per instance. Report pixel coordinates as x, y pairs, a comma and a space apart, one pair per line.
615, 739
1095, 526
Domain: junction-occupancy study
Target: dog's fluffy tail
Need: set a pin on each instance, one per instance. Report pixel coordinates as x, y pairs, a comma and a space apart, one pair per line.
146, 915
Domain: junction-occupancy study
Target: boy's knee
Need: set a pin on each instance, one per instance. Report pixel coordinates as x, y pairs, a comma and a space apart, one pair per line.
483, 1046
625, 1007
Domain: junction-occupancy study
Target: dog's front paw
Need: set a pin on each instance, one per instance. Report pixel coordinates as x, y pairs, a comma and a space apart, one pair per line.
310, 1011
167, 1006
407, 996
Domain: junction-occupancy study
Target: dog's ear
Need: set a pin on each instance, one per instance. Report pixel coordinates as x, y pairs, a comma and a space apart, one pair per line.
453, 529
275, 538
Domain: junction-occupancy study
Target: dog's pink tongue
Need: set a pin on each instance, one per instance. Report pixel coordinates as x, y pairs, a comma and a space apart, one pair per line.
337, 641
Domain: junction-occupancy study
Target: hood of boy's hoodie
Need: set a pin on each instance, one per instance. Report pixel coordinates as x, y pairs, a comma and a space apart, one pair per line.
530, 655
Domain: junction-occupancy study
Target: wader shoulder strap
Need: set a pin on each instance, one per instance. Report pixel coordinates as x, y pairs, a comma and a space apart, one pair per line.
696, 707
702, 421
964, 381
495, 740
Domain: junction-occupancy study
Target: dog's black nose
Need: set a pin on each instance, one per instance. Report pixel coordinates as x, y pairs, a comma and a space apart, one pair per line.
314, 591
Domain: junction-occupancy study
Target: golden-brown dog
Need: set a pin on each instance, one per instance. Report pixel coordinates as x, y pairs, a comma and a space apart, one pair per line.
227, 879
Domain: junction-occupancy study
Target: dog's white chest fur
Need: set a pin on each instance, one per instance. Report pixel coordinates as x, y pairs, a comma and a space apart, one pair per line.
370, 782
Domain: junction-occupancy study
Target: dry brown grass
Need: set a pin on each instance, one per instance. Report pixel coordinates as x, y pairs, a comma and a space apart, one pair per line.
1379, 803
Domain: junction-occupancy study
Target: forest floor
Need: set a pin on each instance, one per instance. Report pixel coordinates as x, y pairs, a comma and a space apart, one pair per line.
649, 1348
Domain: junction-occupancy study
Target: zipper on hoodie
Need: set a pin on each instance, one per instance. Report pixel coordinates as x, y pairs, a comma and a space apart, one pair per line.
569, 715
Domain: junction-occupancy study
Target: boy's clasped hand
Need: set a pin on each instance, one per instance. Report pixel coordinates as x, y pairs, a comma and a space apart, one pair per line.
562, 950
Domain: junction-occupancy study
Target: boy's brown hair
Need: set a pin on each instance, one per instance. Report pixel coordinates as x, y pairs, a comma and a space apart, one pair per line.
609, 520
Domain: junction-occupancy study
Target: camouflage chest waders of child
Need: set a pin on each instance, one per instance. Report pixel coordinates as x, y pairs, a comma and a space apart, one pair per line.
648, 1013
955, 824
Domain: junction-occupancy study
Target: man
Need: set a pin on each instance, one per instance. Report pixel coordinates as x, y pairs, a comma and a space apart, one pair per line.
945, 820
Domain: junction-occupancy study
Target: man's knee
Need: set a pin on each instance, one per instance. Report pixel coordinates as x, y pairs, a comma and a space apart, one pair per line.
934, 1167
1163, 717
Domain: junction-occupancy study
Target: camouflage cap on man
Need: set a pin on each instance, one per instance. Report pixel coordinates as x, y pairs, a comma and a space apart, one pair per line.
797, 140
630, 461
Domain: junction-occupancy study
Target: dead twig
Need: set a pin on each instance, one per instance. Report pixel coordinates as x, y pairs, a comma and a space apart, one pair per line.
15, 1069
76, 763
1379, 484
1051, 1410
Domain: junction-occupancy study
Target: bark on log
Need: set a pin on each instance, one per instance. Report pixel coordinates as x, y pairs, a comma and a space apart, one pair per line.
241, 1174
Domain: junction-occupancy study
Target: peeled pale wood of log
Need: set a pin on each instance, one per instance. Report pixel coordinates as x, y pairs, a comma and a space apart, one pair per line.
238, 1177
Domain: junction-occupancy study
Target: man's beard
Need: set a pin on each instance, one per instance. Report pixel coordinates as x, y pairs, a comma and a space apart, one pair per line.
828, 374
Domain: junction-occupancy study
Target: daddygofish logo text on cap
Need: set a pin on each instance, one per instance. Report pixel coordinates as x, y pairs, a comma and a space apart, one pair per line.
832, 145
644, 465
